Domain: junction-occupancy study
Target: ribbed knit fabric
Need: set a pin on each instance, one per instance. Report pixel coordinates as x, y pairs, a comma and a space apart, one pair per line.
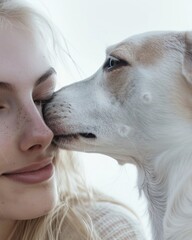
112, 222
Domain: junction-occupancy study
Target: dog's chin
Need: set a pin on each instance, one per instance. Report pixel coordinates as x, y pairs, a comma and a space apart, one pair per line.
66, 141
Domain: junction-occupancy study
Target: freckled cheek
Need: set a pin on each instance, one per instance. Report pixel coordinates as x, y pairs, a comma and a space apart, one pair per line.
8, 136
8, 146
12, 124
6, 129
9, 127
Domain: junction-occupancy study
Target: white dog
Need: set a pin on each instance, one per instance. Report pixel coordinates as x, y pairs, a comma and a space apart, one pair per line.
137, 108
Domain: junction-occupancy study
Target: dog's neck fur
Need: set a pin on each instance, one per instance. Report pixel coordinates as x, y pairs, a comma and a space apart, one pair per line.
156, 198
162, 182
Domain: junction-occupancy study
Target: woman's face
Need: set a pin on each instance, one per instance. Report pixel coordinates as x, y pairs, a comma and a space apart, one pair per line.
27, 172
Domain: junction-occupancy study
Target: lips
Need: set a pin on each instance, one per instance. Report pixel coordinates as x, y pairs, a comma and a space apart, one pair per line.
35, 173
32, 167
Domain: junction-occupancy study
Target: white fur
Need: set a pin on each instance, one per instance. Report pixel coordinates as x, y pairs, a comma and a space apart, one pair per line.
140, 113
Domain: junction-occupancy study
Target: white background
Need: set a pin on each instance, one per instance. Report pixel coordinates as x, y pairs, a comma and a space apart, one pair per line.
89, 27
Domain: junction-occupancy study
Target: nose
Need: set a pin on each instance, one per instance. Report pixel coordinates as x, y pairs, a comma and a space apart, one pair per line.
35, 134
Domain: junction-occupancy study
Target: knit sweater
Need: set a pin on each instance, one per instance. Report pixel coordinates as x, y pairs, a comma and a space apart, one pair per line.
112, 222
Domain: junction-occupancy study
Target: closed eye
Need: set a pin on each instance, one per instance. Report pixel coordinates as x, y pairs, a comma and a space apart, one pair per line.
41, 102
113, 63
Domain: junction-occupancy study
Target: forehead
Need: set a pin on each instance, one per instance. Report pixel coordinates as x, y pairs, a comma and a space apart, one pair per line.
22, 54
147, 47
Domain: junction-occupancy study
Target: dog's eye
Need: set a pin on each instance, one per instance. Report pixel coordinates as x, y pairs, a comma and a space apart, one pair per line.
114, 63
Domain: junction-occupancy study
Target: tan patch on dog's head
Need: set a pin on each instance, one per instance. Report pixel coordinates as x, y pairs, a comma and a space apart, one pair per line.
141, 50
148, 48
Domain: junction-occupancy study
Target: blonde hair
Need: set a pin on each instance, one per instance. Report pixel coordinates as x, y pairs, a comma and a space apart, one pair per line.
74, 194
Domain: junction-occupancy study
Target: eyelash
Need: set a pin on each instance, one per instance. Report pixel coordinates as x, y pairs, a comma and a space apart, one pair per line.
38, 102
41, 102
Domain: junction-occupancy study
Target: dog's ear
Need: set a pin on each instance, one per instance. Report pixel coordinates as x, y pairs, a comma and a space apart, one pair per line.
187, 62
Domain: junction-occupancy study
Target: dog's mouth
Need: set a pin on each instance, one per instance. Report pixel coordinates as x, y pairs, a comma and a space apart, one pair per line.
87, 135
73, 136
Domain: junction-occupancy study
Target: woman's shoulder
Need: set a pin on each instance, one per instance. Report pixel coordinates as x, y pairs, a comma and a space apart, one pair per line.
115, 222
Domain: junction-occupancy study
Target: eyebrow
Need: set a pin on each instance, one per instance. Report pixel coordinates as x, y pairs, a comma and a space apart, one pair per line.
44, 77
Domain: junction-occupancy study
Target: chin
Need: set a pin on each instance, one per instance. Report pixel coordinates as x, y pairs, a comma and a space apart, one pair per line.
42, 202
31, 201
